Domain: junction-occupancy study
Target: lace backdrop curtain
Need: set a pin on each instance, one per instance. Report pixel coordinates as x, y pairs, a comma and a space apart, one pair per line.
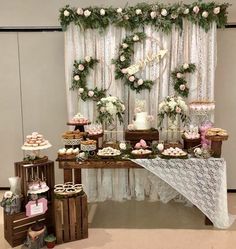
191, 45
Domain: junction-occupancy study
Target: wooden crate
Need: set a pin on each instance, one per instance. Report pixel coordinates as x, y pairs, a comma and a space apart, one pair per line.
71, 218
27, 171
16, 225
135, 136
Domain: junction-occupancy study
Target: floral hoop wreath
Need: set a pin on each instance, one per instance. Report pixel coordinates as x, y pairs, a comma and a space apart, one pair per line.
179, 81
123, 68
81, 70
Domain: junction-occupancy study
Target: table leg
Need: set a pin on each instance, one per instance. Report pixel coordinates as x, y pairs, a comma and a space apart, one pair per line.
77, 176
68, 175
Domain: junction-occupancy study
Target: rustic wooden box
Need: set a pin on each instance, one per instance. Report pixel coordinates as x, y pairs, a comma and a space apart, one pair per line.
27, 171
191, 143
135, 136
71, 218
16, 225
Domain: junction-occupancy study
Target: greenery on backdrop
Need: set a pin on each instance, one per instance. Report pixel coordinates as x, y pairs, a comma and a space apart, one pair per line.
126, 51
161, 16
180, 83
81, 70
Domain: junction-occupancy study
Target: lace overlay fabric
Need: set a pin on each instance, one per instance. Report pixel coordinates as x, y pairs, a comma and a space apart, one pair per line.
202, 182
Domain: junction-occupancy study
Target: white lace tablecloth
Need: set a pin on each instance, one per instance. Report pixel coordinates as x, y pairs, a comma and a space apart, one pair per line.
203, 182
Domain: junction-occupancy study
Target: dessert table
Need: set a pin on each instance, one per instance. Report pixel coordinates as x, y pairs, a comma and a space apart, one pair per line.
201, 181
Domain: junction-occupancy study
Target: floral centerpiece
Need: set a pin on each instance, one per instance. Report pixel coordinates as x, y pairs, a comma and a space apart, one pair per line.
11, 202
108, 109
172, 107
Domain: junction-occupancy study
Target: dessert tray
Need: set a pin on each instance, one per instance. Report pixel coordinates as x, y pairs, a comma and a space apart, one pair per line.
217, 134
174, 153
36, 148
68, 189
141, 153
108, 152
39, 191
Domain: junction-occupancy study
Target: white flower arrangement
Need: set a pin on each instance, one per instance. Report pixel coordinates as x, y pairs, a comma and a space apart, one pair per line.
119, 10
80, 11
164, 12
66, 13
172, 107
87, 13
109, 108
102, 12
153, 14
138, 11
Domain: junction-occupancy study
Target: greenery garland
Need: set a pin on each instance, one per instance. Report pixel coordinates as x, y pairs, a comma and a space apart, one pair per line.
126, 50
162, 16
79, 81
180, 83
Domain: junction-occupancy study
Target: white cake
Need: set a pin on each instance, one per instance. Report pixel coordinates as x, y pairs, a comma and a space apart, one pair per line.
142, 122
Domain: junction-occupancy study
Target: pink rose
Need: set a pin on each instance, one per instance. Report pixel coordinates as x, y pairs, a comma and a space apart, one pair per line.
178, 110
182, 87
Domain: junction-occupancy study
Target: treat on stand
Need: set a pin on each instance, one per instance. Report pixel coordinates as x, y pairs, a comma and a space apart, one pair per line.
203, 130
108, 152
141, 153
191, 137
72, 138
174, 152
35, 141
88, 145
37, 186
141, 144
68, 188
94, 129
142, 119
216, 136
202, 106
67, 153
79, 119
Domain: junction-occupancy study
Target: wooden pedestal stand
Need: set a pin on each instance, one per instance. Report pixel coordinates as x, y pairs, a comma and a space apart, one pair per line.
216, 144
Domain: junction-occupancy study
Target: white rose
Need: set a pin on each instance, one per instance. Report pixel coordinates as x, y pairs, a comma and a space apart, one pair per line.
80, 11
216, 10
125, 45
196, 9
131, 78
8, 194
172, 105
123, 146
198, 151
186, 66
119, 10
205, 14
122, 107
111, 108
124, 70
102, 109
160, 147
135, 38
87, 13
102, 12
81, 67
122, 58
138, 11
76, 77
186, 11
81, 90
140, 82
66, 13
126, 17
179, 75
182, 87
164, 12
87, 58
153, 14
90, 93
174, 16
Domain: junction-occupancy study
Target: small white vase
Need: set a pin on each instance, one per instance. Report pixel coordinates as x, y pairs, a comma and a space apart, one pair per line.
15, 185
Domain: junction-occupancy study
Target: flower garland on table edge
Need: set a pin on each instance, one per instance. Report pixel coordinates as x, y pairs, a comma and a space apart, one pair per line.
79, 81
180, 83
126, 50
162, 16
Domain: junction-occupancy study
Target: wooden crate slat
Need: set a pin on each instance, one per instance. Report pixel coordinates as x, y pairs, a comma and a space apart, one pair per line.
84, 215
72, 215
68, 175
58, 220
78, 218
66, 229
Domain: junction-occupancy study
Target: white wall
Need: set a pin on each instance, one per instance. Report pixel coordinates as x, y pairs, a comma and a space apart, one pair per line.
33, 76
